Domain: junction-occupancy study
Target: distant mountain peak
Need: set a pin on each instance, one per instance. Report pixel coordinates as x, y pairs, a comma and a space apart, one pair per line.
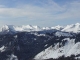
72, 28
58, 27
77, 24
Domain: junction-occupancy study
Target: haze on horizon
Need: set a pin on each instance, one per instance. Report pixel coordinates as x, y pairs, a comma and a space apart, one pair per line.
39, 12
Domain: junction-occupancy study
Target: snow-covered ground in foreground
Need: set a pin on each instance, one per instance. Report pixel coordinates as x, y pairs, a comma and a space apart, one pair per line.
55, 52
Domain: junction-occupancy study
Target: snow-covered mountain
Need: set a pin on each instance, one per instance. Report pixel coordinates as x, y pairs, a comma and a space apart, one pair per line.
57, 27
11, 28
75, 28
27, 28
29, 42
68, 49
72, 28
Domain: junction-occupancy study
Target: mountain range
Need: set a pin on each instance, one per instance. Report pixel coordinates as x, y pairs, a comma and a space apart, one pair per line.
75, 28
29, 42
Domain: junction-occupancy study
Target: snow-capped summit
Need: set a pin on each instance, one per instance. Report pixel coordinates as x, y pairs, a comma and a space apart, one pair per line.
27, 26
58, 27
30, 28
46, 28
37, 28
9, 29
72, 28
5, 28
12, 28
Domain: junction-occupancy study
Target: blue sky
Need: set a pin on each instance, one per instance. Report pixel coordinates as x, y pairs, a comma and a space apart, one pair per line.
39, 12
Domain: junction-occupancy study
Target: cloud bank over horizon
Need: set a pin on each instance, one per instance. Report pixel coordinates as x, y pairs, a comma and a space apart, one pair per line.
39, 12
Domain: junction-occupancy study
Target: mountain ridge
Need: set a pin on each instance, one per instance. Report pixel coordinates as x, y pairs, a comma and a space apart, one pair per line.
29, 43
75, 28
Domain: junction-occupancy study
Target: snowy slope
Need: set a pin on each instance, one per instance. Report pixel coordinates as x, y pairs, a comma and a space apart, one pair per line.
72, 28
59, 33
3, 48
55, 52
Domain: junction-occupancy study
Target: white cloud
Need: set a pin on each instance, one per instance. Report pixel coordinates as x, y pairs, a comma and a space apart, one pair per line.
48, 11
72, 11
